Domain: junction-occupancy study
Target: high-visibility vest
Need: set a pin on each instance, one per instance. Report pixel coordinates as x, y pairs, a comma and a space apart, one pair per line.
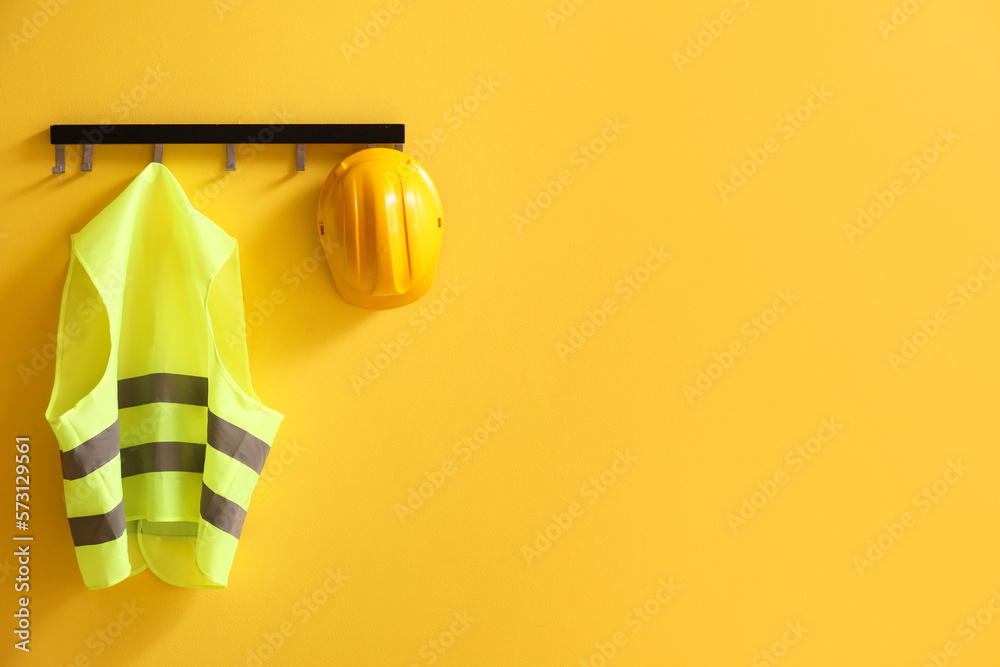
162, 437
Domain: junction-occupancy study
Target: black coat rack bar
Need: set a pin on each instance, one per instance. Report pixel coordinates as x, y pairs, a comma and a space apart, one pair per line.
299, 134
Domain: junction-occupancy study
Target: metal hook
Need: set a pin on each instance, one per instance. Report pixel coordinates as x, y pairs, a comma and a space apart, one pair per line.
60, 167
87, 164
158, 153
300, 157
399, 147
230, 157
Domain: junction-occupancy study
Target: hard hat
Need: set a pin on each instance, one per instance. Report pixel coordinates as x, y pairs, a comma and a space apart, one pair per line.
380, 223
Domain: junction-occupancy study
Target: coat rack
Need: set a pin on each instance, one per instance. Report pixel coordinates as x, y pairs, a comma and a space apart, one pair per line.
299, 134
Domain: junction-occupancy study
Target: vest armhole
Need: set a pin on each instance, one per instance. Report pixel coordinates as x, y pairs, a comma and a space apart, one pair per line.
227, 327
83, 346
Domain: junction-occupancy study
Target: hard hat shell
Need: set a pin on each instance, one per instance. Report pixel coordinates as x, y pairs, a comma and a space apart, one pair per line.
380, 223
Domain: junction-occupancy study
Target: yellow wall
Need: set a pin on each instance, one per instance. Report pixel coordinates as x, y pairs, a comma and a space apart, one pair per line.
348, 454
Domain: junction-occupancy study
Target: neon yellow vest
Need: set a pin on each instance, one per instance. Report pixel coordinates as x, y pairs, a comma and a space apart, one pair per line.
162, 437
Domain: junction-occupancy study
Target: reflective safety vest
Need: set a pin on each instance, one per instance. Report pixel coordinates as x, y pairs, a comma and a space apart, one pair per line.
162, 437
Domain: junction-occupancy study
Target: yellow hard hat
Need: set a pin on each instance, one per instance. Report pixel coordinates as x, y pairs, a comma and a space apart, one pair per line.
380, 223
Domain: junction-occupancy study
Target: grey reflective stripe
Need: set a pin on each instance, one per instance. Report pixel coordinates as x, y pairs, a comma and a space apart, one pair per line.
162, 388
221, 512
233, 441
91, 454
98, 528
163, 457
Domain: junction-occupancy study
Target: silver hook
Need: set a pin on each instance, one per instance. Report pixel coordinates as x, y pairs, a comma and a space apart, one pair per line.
158, 153
230, 157
87, 164
60, 167
399, 147
300, 157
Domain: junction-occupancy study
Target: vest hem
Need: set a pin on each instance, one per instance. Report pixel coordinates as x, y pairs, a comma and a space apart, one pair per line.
214, 586
111, 583
147, 562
